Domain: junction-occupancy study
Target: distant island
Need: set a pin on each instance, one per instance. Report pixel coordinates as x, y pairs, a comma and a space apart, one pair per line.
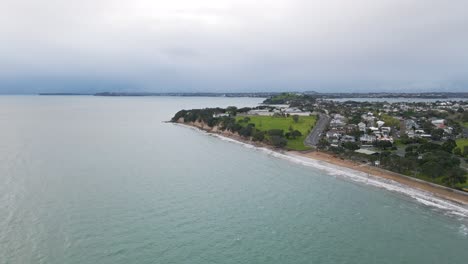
426, 95
424, 141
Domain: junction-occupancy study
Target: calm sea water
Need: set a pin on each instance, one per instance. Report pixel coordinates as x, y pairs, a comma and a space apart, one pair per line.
104, 180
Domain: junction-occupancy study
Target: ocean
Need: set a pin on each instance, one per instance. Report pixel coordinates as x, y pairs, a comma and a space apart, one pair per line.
87, 179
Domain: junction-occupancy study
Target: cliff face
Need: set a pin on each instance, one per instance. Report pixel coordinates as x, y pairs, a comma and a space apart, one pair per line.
216, 129
200, 125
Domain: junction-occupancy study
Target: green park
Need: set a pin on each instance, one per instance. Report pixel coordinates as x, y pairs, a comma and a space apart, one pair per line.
290, 126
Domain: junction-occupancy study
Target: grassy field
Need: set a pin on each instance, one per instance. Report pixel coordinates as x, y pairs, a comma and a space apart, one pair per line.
462, 142
304, 125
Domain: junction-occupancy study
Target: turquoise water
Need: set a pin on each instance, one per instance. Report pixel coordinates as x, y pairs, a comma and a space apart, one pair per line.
104, 180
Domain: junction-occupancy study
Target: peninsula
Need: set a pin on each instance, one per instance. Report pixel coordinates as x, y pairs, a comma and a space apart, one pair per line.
423, 145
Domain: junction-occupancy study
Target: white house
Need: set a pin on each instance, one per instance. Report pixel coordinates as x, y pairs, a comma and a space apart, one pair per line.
260, 112
362, 127
215, 115
367, 139
348, 138
337, 123
295, 111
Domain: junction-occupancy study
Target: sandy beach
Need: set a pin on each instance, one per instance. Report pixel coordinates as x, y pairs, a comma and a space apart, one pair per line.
437, 190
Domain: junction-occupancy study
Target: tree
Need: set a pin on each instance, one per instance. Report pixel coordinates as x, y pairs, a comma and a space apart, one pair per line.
457, 151
258, 135
277, 141
323, 143
336, 150
246, 131
244, 109
411, 148
383, 144
449, 145
428, 147
276, 132
439, 163
437, 134
211, 122
432, 169
356, 133
356, 118
390, 121
295, 118
465, 116
295, 133
231, 110
455, 176
350, 145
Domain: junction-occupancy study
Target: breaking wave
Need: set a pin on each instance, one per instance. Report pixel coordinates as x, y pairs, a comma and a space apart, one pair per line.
423, 197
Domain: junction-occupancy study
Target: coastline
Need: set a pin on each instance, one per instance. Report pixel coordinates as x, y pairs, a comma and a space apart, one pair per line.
437, 190
455, 196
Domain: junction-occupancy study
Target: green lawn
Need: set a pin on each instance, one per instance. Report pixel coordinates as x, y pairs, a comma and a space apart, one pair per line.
462, 142
465, 124
265, 123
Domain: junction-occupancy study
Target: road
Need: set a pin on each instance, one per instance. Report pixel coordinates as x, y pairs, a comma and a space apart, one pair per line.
314, 137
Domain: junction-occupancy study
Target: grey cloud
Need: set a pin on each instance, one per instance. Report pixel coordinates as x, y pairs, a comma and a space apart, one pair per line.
221, 45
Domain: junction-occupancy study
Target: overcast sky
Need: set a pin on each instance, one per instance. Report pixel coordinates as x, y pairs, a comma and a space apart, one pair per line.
230, 46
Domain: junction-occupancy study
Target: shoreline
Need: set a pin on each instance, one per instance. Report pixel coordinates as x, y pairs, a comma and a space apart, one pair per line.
439, 191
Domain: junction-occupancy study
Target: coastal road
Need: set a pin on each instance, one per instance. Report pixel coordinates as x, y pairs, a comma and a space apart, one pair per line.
314, 137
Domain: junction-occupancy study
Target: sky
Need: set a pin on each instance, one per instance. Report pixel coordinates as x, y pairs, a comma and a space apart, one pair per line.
233, 46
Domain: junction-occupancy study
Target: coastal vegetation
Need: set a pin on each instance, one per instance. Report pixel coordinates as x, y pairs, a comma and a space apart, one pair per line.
303, 101
284, 98
462, 147
294, 128
424, 140
279, 130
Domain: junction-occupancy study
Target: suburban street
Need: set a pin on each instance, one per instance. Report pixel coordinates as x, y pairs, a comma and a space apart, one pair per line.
314, 136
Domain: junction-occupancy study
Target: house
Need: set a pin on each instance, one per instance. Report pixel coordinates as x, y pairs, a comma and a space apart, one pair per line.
333, 135
370, 120
366, 152
261, 112
410, 124
349, 128
385, 138
337, 123
347, 138
439, 123
465, 133
362, 127
386, 130
367, 139
215, 115
448, 130
295, 111
339, 117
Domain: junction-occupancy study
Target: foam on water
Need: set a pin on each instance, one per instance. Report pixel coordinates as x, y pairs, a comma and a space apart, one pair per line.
463, 230
423, 197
